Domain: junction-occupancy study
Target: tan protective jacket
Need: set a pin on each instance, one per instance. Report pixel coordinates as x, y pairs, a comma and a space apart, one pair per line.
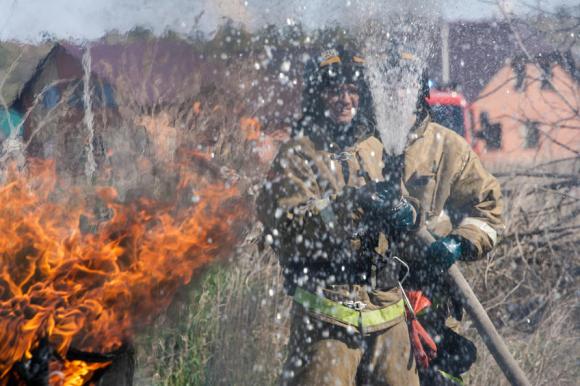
441, 172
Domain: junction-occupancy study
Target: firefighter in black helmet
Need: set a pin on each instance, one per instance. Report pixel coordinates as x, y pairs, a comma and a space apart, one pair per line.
333, 239
348, 317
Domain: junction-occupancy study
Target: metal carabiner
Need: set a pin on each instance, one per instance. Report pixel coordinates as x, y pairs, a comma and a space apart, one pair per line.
405, 297
355, 305
407, 269
407, 301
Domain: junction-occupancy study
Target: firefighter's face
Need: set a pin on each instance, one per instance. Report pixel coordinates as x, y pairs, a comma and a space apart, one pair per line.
341, 102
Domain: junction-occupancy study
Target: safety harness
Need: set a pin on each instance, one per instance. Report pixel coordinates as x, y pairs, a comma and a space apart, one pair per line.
352, 313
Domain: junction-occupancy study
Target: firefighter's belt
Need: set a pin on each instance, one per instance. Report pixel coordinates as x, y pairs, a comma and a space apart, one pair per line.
356, 318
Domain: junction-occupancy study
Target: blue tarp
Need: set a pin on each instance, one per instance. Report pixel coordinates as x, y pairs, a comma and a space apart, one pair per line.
8, 120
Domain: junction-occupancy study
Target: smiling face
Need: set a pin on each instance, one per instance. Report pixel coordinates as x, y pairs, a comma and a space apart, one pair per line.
341, 102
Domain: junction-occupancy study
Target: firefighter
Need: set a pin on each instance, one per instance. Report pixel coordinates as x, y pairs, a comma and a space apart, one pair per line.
326, 218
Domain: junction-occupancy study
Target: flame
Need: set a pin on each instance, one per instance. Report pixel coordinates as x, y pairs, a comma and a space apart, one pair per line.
87, 278
196, 107
73, 373
250, 127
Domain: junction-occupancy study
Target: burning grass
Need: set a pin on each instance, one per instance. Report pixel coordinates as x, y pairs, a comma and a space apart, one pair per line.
86, 272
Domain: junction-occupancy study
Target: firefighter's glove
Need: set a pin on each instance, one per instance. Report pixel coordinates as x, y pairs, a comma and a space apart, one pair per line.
402, 217
385, 208
444, 252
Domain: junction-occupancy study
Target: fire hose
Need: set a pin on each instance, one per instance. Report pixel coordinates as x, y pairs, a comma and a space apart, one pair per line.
494, 342
392, 193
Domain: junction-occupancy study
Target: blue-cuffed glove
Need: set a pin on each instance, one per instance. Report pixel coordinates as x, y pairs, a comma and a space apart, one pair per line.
444, 252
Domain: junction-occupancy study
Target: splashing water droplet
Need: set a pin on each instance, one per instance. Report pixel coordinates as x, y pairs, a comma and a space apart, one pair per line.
396, 56
90, 165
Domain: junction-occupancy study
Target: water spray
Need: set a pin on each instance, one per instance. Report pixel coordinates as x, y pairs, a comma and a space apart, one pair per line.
90, 165
396, 57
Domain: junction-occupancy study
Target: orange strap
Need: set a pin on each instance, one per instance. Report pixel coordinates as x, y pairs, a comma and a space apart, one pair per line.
424, 348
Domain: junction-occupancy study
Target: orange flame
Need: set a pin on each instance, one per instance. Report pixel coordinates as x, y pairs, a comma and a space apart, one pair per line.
88, 281
250, 127
73, 373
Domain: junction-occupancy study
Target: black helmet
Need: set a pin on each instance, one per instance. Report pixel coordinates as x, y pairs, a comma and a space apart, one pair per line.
338, 66
332, 68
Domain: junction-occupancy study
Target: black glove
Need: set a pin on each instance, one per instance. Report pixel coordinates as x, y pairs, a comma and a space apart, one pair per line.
444, 252
384, 207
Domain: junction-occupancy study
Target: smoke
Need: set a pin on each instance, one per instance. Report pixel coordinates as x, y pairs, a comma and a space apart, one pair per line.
33, 20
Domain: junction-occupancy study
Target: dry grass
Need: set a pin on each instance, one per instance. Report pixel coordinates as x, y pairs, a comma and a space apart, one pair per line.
232, 330
529, 283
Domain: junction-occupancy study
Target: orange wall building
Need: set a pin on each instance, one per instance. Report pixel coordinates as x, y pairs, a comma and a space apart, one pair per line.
528, 114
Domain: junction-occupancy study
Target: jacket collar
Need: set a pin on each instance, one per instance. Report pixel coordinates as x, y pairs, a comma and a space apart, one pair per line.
323, 133
418, 130
327, 135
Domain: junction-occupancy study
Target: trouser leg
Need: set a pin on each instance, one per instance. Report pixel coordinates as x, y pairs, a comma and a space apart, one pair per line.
321, 354
388, 360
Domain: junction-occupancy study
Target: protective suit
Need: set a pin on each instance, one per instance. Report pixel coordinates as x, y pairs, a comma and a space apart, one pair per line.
348, 314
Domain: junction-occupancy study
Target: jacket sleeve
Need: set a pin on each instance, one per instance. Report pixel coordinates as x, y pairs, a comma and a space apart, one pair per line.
475, 204
299, 217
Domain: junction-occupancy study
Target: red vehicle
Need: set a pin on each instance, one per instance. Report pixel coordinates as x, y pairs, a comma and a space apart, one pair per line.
450, 109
